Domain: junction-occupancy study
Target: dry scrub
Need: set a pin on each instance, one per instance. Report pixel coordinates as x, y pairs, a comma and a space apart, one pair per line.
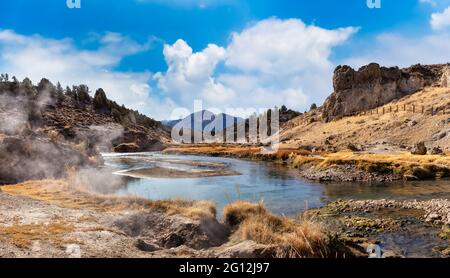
61, 193
289, 238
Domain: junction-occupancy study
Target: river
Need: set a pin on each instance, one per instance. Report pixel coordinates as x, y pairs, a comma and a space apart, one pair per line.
279, 187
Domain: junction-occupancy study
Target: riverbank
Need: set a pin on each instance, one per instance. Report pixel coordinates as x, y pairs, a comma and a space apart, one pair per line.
374, 164
51, 218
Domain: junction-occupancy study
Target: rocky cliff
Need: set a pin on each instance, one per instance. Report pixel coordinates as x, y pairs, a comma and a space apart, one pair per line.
372, 86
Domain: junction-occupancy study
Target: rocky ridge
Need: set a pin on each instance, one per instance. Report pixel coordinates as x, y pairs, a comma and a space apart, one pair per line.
372, 86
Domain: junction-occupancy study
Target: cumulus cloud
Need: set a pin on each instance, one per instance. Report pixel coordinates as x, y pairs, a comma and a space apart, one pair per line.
392, 49
441, 20
60, 60
272, 62
286, 46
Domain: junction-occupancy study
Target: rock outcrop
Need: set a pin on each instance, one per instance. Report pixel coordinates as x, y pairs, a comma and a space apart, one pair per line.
372, 86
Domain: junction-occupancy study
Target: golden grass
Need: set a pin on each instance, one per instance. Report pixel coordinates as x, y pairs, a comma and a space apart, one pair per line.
239, 151
23, 235
290, 238
402, 163
61, 193
373, 129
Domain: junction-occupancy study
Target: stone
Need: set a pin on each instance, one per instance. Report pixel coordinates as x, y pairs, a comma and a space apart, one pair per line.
419, 149
146, 247
438, 136
353, 147
437, 150
412, 123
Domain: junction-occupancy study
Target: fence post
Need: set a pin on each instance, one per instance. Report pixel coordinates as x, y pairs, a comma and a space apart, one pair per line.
423, 109
404, 107
414, 108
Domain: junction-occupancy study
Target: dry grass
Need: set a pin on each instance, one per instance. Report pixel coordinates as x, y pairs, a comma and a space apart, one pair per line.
376, 128
239, 151
63, 194
402, 163
290, 238
23, 235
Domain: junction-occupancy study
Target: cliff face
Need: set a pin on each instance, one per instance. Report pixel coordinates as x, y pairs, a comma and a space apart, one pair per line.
372, 86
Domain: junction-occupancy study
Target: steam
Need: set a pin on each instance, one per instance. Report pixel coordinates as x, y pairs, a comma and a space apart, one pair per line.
30, 150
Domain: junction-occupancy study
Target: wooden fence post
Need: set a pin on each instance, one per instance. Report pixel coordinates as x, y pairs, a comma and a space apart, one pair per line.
414, 108
423, 109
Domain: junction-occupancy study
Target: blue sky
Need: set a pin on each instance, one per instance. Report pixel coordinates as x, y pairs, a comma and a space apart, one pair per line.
157, 55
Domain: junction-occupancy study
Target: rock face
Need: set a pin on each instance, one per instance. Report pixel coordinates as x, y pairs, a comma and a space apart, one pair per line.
372, 86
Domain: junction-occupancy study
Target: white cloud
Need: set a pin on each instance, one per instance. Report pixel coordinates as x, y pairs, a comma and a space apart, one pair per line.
190, 75
394, 49
440, 20
60, 60
272, 62
287, 46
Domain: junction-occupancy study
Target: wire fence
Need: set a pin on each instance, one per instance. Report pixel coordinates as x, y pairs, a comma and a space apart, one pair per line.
394, 109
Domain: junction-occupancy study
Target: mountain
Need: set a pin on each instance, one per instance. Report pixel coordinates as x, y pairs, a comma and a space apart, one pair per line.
207, 118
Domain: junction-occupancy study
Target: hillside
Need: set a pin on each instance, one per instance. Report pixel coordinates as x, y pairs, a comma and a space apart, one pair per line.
45, 129
402, 122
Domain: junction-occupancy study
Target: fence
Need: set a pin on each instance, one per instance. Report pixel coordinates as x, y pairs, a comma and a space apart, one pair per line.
412, 108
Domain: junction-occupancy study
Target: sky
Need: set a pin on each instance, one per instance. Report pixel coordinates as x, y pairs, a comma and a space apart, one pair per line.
159, 55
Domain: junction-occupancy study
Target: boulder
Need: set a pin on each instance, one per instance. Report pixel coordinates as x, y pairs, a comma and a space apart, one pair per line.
353, 147
127, 148
146, 247
437, 150
419, 149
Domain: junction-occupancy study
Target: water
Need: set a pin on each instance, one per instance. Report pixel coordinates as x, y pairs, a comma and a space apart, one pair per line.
280, 188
